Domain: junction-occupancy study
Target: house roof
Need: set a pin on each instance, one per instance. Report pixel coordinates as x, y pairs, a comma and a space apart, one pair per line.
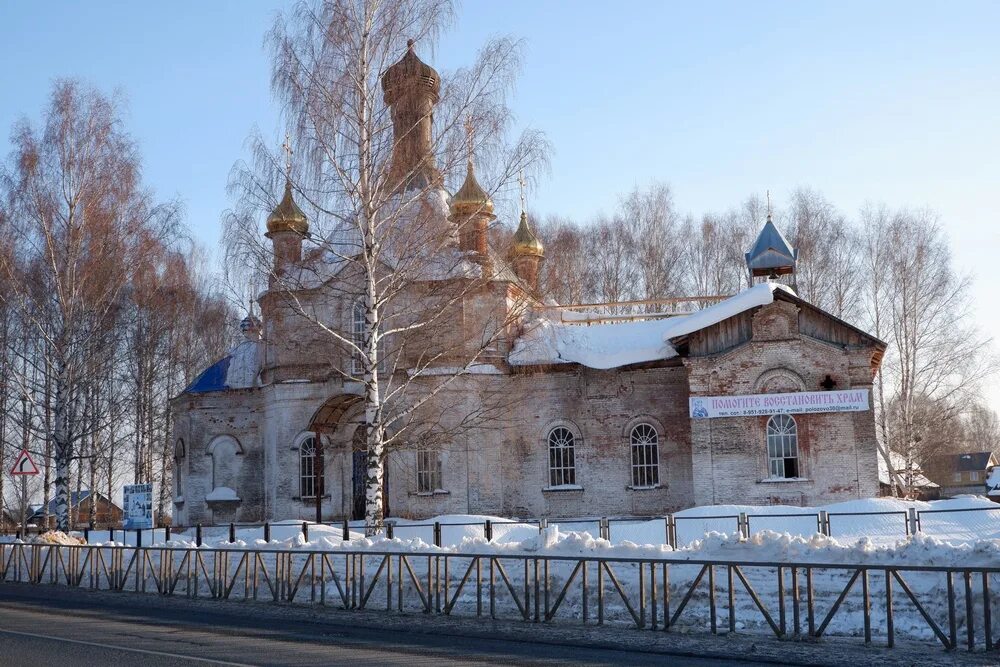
75, 498
965, 462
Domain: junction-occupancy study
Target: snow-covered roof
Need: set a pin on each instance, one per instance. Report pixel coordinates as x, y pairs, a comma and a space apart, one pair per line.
993, 481
899, 465
237, 370
606, 346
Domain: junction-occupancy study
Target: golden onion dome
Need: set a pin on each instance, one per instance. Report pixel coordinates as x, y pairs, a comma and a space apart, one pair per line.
471, 198
287, 216
408, 71
525, 241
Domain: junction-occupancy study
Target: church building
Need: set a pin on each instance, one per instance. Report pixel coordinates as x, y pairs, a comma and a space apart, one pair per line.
753, 398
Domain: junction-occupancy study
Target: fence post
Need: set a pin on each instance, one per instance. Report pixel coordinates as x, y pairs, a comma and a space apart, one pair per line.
346, 537
388, 531
668, 537
197, 535
488, 530
138, 537
86, 534
166, 533
232, 532
743, 525
542, 524
305, 531
437, 533
603, 529
912, 521
823, 523
267, 532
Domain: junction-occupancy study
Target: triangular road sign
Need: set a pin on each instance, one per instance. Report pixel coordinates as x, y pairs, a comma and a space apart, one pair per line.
24, 465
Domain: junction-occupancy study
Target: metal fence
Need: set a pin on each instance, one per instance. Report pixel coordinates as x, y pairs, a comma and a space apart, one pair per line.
656, 594
674, 530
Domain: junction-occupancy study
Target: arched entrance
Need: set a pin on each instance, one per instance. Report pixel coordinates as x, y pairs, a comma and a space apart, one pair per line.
338, 419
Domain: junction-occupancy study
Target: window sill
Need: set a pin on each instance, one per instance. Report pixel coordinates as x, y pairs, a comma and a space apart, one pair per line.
562, 488
783, 480
309, 499
644, 488
428, 494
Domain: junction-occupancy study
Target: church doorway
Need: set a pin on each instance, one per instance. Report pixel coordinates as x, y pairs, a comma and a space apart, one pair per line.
339, 419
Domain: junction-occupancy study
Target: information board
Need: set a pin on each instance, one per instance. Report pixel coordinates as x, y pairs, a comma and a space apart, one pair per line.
138, 506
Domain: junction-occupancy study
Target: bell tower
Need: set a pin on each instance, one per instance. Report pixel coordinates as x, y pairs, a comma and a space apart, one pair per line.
527, 252
472, 210
287, 226
772, 255
411, 89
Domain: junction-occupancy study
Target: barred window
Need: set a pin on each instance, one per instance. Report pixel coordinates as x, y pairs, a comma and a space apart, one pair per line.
782, 447
307, 468
428, 471
358, 325
562, 457
645, 456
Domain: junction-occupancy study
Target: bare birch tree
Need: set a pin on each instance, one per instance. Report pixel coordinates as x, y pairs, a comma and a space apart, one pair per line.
371, 158
79, 220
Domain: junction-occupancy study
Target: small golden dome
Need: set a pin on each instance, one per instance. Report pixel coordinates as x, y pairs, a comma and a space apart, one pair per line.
471, 198
525, 241
407, 71
287, 216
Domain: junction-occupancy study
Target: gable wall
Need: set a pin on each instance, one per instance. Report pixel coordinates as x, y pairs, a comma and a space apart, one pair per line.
836, 450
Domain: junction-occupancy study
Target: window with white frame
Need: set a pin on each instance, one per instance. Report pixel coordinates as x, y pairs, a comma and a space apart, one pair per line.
782, 447
645, 456
974, 476
358, 326
562, 457
307, 469
428, 471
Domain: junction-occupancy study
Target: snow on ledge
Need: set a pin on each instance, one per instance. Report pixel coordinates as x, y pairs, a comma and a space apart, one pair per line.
222, 494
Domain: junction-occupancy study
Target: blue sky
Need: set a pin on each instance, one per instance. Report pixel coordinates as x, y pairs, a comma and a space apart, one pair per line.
890, 101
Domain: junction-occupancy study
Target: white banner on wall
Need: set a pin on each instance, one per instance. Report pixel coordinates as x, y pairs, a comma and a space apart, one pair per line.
708, 407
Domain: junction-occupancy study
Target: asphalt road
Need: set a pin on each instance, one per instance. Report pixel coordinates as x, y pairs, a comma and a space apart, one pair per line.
62, 626
42, 625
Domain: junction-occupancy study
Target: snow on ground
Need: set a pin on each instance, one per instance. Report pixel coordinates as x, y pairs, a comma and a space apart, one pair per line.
966, 538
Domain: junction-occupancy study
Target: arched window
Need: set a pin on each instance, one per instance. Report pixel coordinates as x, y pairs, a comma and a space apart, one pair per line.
358, 321
307, 469
562, 457
782, 447
645, 456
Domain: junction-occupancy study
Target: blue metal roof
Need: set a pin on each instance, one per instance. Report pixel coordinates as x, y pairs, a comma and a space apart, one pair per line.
212, 378
771, 251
